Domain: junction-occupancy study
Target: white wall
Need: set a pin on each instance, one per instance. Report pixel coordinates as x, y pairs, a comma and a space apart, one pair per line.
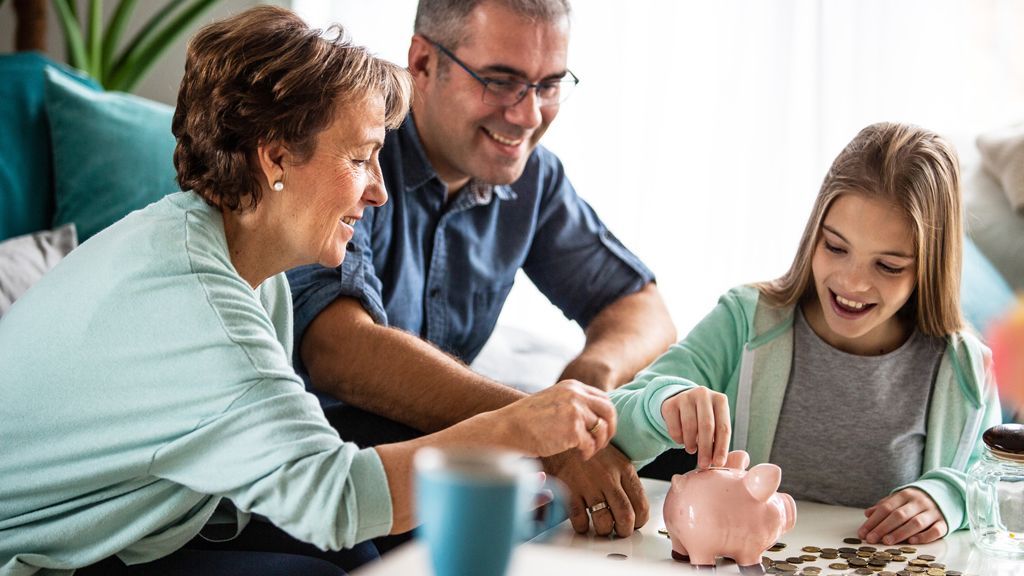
701, 129
162, 80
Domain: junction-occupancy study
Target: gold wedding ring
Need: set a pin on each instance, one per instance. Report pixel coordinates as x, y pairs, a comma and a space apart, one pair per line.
596, 426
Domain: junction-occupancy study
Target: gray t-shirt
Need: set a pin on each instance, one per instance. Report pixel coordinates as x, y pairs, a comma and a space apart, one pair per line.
852, 428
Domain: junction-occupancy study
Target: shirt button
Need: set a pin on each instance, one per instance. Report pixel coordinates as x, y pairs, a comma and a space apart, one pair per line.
435, 292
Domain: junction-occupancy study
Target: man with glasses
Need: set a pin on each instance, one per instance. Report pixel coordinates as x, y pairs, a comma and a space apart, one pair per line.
473, 199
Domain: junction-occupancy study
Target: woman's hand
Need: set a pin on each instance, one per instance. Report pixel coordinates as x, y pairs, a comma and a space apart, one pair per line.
698, 419
909, 515
565, 416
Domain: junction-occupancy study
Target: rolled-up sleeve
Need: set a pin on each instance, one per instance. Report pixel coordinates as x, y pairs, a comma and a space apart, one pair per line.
575, 260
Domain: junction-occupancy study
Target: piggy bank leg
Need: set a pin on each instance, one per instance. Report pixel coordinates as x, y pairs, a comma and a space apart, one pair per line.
679, 553
752, 570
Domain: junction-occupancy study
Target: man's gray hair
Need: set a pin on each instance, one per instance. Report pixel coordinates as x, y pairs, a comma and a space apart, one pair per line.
443, 21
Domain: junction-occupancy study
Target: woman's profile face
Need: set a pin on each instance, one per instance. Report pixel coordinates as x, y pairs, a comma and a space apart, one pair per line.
328, 193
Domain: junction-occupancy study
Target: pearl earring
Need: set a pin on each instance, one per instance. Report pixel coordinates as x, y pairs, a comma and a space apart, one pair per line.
278, 185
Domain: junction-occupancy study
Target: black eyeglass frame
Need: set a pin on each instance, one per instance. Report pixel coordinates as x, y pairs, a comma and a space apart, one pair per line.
525, 87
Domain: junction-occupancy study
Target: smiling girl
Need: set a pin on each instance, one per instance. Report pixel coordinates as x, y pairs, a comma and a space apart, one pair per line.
852, 371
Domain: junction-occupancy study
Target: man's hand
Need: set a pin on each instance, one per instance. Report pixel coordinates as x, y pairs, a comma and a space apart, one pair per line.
909, 515
608, 477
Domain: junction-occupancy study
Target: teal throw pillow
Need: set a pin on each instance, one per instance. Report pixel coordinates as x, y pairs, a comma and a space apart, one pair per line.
26, 184
112, 153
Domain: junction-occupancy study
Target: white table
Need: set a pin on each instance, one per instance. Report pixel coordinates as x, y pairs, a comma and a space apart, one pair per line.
562, 551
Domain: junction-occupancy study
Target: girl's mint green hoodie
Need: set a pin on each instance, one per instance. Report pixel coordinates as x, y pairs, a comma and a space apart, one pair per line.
744, 349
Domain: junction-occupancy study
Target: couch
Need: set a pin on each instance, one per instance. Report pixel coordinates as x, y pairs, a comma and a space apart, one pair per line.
73, 160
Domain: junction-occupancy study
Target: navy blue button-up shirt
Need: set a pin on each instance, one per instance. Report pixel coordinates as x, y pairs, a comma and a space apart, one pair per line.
442, 270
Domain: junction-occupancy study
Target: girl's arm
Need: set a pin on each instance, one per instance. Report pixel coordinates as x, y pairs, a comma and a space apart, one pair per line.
708, 357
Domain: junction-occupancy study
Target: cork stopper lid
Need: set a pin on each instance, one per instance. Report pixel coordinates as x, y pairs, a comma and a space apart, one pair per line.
1006, 441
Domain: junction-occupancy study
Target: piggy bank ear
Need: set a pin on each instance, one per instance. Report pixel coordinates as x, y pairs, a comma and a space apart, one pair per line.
737, 459
762, 481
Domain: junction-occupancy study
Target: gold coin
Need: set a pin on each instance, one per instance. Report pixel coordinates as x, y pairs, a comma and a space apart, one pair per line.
848, 550
908, 549
918, 562
936, 565
936, 572
857, 562
829, 555
863, 554
811, 549
808, 558
785, 566
839, 566
863, 571
867, 549
899, 558
852, 540
926, 557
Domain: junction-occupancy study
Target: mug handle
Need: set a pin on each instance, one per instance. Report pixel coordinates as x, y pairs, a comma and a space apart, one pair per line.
548, 515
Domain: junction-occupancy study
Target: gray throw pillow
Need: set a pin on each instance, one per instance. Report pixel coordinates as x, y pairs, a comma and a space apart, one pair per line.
24, 260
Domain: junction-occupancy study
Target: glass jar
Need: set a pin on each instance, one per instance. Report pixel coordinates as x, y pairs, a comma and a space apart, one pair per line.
995, 493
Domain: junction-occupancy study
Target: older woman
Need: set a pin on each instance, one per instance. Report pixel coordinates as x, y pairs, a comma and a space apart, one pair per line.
148, 394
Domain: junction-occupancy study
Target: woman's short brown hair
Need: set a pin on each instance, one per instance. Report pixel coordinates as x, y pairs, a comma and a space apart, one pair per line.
918, 171
261, 76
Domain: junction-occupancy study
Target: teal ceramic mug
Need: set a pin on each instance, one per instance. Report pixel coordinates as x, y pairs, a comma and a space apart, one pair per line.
474, 505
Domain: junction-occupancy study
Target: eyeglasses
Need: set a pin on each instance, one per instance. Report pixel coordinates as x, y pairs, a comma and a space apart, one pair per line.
508, 92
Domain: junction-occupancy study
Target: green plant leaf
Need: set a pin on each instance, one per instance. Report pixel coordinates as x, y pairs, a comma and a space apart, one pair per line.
115, 29
95, 47
140, 57
143, 35
72, 34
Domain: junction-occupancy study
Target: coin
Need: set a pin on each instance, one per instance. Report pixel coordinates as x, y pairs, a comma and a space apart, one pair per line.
777, 546
899, 558
852, 540
795, 560
919, 562
908, 549
926, 557
893, 551
616, 556
829, 555
863, 571
808, 558
936, 572
785, 566
936, 565
811, 549
886, 573
838, 566
847, 550
867, 549
857, 562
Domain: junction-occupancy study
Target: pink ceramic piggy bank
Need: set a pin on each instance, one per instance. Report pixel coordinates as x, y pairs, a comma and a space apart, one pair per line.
731, 512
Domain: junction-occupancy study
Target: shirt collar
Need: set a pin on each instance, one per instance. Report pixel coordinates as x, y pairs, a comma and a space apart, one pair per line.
419, 171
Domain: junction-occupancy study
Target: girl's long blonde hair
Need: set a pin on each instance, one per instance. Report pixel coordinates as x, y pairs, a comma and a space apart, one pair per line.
918, 171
